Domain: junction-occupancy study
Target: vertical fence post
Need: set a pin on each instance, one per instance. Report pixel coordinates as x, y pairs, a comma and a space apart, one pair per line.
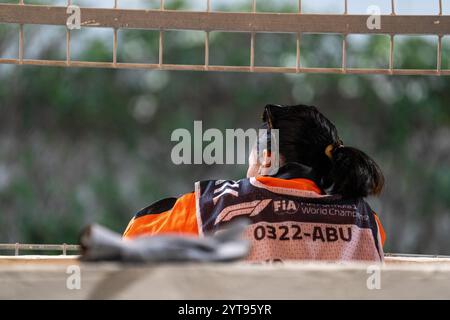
21, 44
344, 42
298, 42
161, 39
69, 3
252, 41
208, 9
115, 40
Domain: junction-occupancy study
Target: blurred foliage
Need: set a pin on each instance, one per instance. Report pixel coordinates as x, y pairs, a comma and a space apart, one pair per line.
83, 145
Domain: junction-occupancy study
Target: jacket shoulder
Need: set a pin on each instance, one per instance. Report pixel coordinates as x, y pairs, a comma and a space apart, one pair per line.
160, 206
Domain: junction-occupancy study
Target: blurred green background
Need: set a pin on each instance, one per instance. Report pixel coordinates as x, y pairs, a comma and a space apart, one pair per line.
84, 145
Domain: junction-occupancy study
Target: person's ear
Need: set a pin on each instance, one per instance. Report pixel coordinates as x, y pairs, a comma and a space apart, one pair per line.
266, 159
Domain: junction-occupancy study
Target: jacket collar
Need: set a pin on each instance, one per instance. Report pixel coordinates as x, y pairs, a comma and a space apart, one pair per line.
293, 170
294, 176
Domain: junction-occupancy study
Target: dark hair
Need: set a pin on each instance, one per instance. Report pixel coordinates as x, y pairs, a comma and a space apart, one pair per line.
306, 136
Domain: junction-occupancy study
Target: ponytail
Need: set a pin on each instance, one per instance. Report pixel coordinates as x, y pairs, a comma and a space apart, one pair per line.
354, 174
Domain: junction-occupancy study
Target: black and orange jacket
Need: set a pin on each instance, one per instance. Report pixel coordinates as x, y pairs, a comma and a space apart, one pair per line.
291, 217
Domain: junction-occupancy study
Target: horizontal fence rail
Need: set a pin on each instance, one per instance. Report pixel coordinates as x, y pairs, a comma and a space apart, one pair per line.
17, 247
225, 21
64, 248
406, 255
247, 22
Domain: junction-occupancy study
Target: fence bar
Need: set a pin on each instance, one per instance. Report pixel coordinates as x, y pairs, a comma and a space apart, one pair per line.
69, 2
344, 53
17, 247
21, 43
297, 58
161, 39
252, 41
206, 50
21, 50
207, 21
224, 21
298, 41
115, 47
161, 48
344, 41
252, 50
184, 67
391, 54
439, 54
64, 248
115, 38
208, 9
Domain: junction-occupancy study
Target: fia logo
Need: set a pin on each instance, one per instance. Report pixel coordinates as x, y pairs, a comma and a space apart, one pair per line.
284, 206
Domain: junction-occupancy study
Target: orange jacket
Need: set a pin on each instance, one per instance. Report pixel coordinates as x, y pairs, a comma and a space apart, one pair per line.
179, 215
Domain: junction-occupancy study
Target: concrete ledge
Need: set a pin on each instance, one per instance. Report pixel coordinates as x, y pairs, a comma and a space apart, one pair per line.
43, 277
